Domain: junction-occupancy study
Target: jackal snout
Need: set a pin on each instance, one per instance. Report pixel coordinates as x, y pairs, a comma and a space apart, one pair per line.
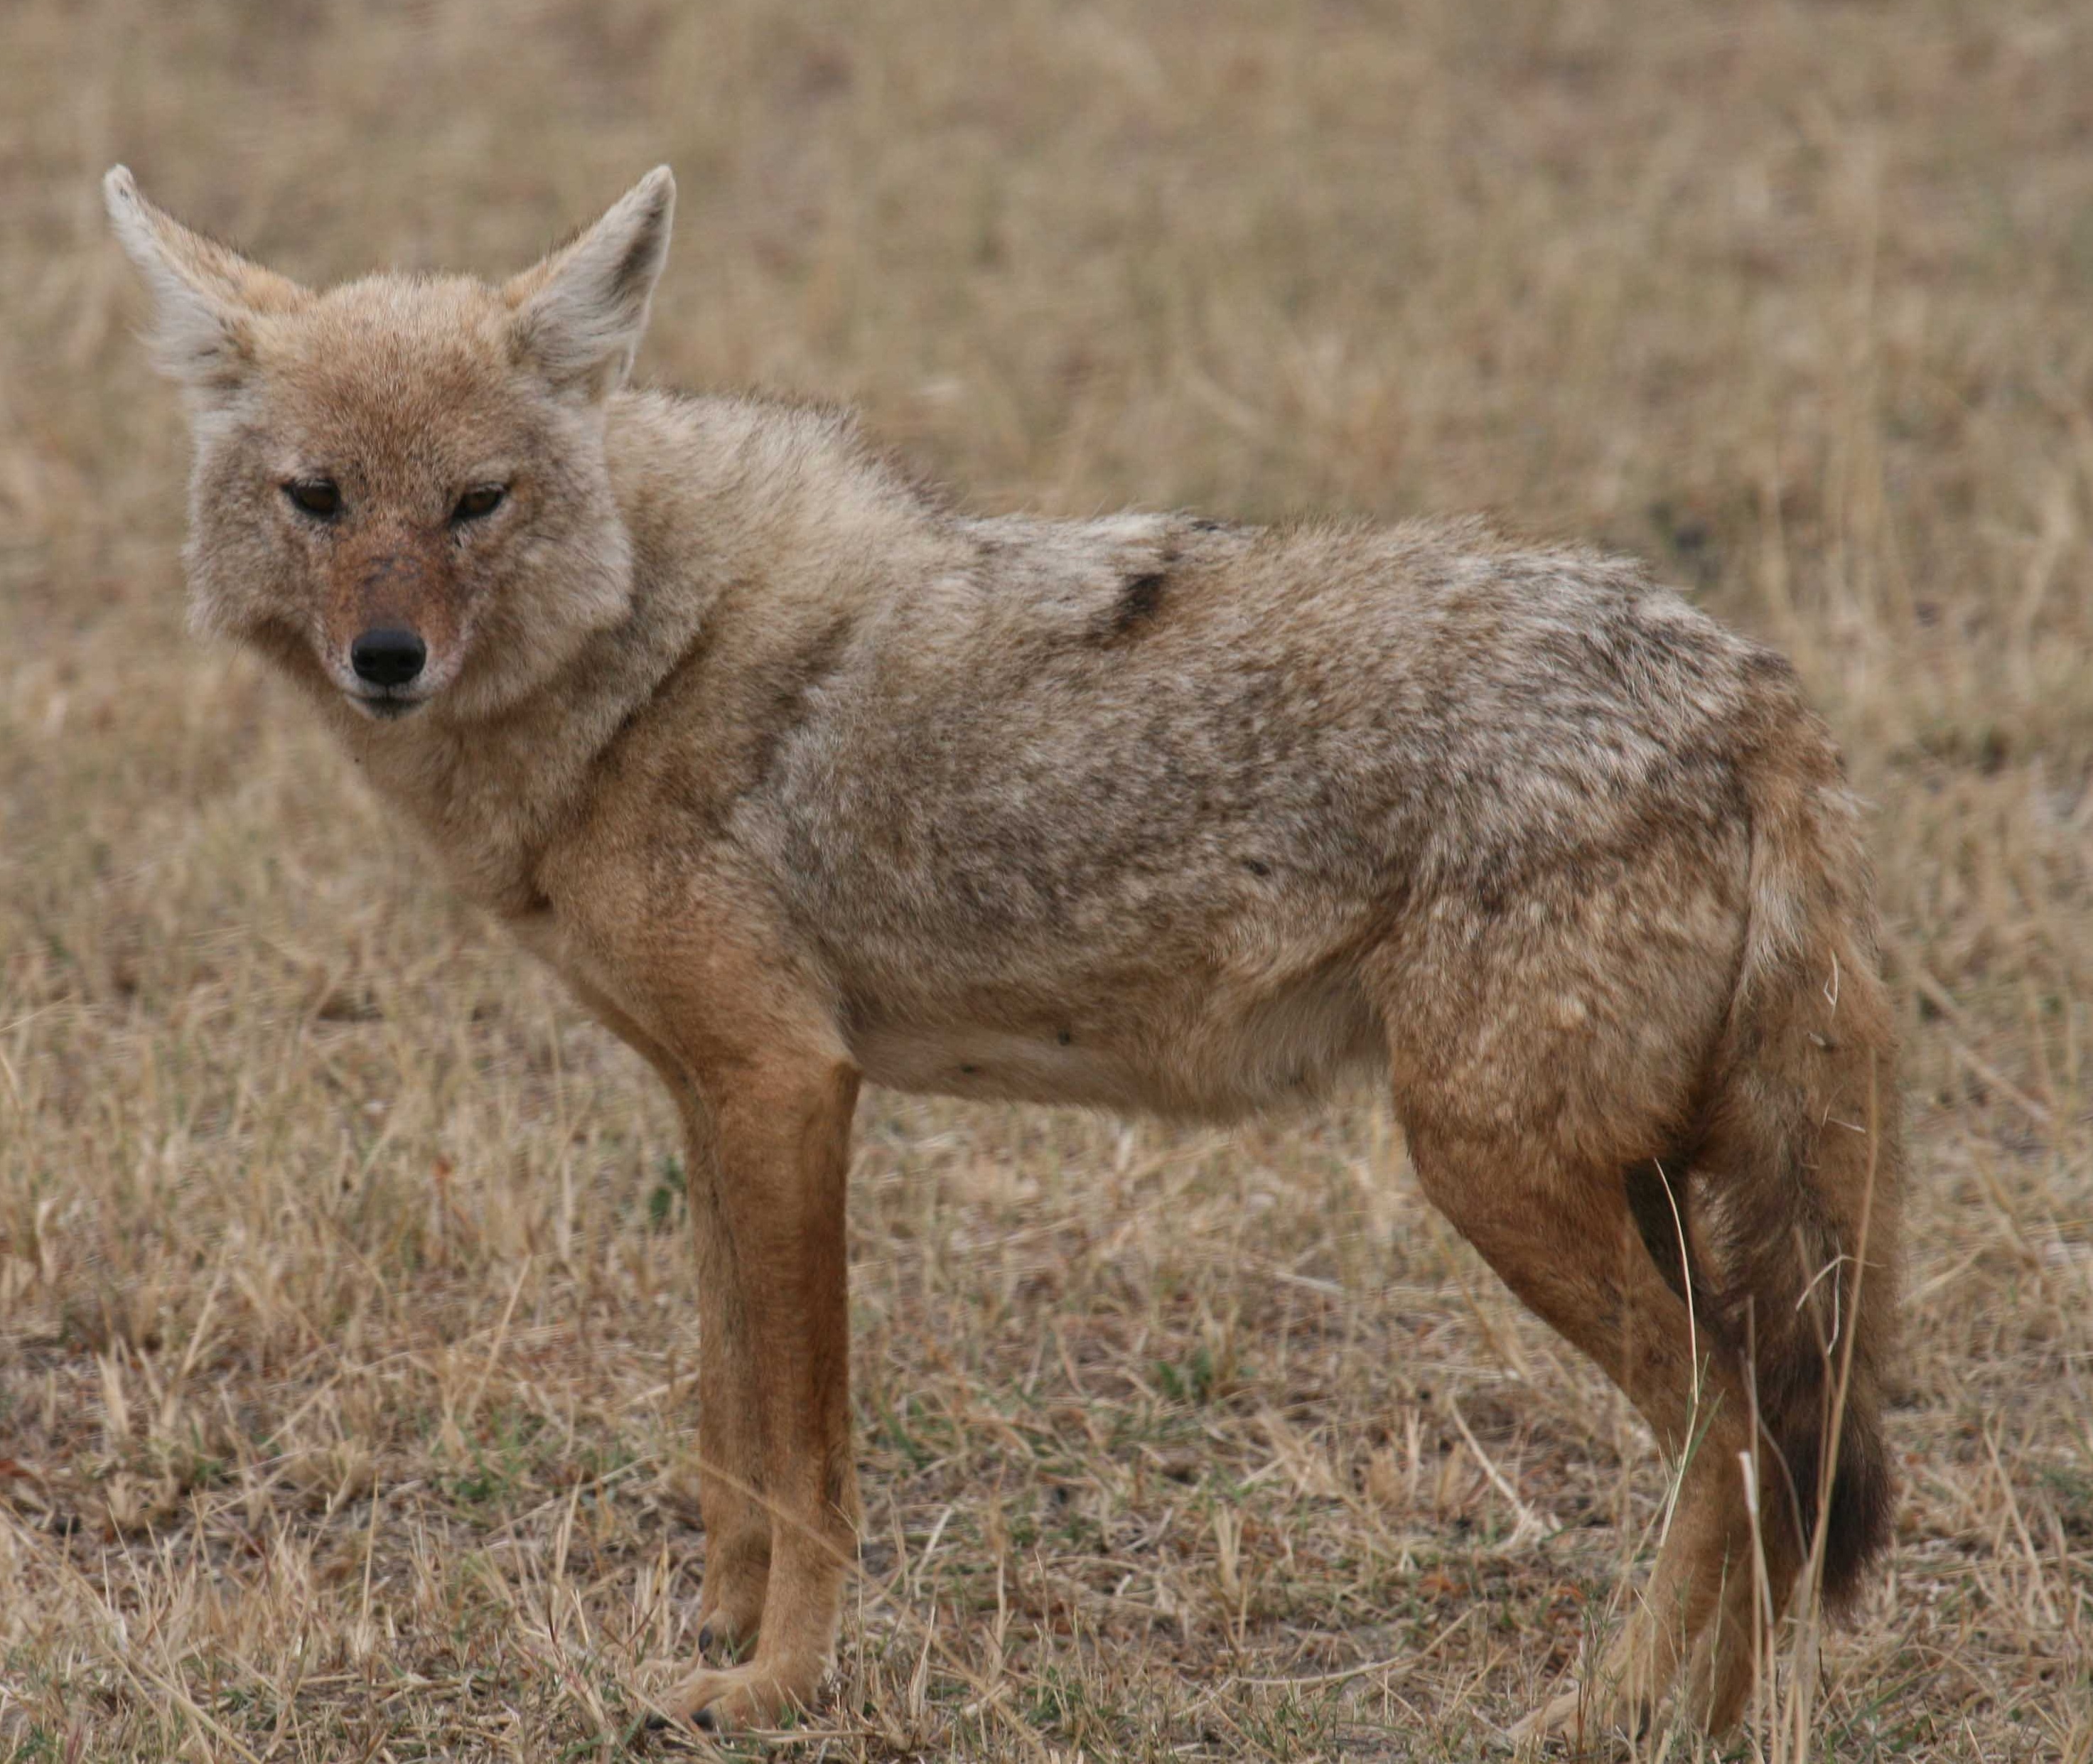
393, 624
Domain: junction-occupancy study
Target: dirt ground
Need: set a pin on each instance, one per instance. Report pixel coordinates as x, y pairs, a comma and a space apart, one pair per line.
347, 1350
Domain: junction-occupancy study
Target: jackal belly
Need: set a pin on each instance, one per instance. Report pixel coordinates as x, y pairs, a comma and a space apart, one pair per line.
1212, 1052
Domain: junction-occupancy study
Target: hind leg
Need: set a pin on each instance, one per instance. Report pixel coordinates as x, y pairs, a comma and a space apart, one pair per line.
1542, 1040
1562, 1235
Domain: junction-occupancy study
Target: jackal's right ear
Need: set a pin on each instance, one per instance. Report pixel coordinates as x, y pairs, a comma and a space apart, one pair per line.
580, 311
206, 296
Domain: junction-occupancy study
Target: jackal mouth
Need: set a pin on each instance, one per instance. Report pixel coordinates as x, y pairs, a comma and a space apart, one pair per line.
387, 707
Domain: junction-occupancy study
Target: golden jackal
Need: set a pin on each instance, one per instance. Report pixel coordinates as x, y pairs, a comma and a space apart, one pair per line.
800, 776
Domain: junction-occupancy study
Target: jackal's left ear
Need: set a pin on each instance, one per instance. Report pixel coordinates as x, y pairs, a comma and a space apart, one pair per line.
206, 296
581, 311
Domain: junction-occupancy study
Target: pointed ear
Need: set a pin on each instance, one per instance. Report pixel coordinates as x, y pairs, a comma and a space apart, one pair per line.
205, 295
580, 312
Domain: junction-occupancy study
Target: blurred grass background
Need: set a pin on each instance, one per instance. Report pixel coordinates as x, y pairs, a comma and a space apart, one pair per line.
345, 1348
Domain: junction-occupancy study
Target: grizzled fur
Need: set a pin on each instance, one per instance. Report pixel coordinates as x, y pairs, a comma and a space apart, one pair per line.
799, 776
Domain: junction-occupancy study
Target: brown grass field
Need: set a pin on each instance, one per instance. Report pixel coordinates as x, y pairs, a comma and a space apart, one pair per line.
347, 1346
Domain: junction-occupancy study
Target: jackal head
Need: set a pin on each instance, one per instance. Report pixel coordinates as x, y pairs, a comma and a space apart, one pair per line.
400, 489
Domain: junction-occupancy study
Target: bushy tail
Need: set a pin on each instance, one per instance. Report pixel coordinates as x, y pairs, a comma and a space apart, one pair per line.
1797, 1184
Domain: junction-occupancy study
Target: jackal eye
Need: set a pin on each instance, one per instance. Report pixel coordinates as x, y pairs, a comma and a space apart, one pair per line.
316, 496
476, 504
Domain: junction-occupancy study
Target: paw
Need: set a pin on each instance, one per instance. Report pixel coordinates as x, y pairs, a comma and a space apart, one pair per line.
730, 1612
727, 1637
1588, 1719
760, 1695
1562, 1716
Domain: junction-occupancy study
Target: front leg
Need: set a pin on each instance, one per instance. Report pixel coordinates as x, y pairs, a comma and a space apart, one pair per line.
770, 1154
731, 1470
731, 1499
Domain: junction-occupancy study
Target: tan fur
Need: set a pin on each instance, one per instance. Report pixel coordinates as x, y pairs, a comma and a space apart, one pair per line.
799, 777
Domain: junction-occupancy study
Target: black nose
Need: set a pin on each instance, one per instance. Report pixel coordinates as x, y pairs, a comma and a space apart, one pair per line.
388, 656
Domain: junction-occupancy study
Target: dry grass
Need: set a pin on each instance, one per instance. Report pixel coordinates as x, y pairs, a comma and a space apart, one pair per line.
346, 1341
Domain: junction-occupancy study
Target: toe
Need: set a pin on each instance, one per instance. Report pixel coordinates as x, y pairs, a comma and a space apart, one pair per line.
756, 1696
1560, 1717
727, 1632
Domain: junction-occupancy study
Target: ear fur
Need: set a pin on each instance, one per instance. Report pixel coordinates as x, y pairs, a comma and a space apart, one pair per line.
205, 295
580, 312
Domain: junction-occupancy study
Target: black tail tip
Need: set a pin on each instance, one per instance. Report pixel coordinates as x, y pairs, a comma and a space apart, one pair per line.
1859, 1511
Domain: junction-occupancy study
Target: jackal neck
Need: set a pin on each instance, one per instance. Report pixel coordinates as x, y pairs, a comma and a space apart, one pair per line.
492, 793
